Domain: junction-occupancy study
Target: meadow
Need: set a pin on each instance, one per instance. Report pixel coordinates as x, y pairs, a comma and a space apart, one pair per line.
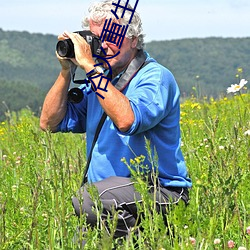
40, 172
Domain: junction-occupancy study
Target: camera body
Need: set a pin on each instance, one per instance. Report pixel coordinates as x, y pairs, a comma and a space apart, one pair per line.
65, 48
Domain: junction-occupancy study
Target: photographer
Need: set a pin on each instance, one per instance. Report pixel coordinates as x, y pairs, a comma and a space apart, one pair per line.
141, 101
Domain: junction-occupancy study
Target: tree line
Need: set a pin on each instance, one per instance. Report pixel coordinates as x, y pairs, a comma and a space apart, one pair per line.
202, 67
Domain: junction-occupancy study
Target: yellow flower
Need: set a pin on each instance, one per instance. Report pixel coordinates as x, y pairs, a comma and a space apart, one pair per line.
138, 160
240, 70
132, 162
195, 105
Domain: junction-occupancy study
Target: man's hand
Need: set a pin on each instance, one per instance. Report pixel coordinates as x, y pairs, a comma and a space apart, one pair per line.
66, 63
83, 54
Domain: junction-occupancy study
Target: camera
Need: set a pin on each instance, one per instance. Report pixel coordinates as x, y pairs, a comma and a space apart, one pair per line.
65, 48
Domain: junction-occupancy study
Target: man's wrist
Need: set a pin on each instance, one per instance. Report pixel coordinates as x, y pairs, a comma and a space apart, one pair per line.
65, 73
95, 71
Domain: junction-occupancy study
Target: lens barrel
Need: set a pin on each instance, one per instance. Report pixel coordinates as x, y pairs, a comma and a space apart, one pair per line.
65, 48
75, 95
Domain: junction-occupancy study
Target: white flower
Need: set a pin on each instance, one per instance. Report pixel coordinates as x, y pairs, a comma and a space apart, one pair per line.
247, 133
192, 240
217, 241
22, 210
237, 87
242, 248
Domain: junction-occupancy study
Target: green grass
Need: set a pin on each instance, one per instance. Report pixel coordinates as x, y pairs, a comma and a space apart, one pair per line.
40, 172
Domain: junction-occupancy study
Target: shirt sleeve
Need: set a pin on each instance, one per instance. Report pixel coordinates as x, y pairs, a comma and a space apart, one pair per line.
152, 98
75, 118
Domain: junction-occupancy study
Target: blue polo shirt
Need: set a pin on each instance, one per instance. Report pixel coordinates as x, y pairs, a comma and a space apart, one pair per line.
154, 97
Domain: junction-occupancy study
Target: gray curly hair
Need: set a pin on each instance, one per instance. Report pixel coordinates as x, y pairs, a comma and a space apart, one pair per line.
102, 10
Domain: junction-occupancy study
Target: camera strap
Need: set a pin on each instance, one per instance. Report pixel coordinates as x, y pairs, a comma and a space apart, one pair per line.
136, 64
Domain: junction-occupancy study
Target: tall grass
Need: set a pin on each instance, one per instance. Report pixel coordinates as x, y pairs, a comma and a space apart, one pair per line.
40, 172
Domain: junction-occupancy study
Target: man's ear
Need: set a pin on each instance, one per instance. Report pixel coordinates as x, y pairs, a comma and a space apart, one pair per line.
134, 42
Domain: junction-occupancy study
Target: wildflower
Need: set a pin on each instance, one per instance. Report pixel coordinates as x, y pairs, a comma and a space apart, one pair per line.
242, 248
14, 188
237, 87
71, 167
198, 182
221, 147
192, 240
247, 133
22, 210
132, 162
137, 159
123, 160
240, 70
217, 241
195, 106
248, 230
45, 216
230, 244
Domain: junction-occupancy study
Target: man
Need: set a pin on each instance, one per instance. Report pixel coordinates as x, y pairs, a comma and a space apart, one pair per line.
141, 101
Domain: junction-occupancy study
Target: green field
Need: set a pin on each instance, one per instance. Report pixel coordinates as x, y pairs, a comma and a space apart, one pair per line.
40, 172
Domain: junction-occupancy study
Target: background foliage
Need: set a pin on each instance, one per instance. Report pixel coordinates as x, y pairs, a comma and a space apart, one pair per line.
28, 66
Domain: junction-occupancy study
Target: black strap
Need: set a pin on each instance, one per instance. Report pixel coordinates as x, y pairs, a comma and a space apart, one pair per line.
137, 63
97, 132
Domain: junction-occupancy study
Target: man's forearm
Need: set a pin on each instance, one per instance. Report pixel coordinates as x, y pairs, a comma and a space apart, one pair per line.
117, 107
55, 103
